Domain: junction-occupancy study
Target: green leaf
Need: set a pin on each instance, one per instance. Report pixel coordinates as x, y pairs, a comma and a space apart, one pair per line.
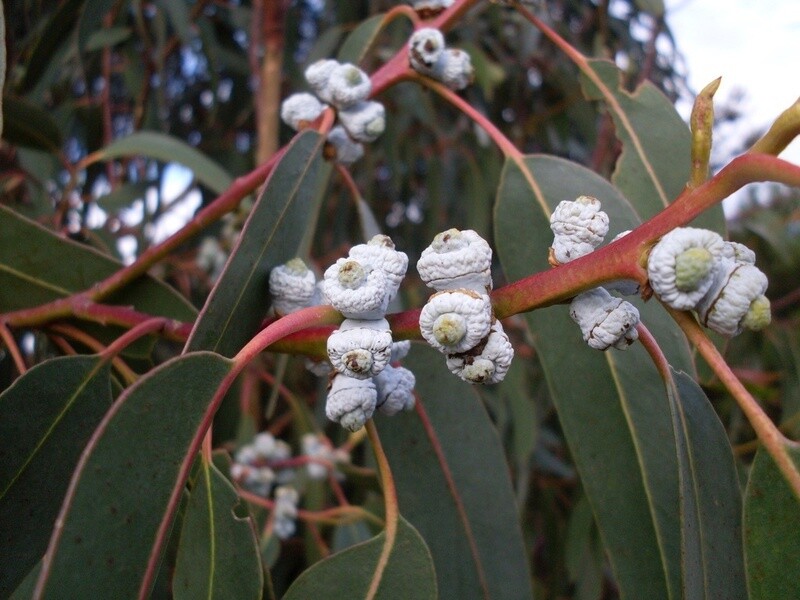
218, 555
123, 196
771, 523
461, 500
26, 124
711, 499
105, 38
617, 433
163, 147
38, 266
46, 418
272, 235
91, 20
51, 38
125, 480
357, 45
408, 573
179, 18
656, 143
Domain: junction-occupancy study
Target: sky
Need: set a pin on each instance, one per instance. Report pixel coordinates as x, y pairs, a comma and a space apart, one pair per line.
754, 46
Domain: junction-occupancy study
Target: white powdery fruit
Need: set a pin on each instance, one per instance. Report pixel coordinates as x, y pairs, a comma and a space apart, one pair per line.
380, 253
364, 121
605, 321
355, 290
578, 226
351, 401
457, 259
292, 286
298, 110
360, 348
736, 299
395, 387
454, 321
488, 362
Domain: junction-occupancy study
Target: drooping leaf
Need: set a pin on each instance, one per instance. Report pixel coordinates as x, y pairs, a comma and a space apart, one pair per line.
123, 196
38, 266
272, 235
656, 143
26, 124
166, 148
218, 555
50, 39
461, 499
121, 491
357, 45
408, 572
105, 38
711, 499
46, 418
771, 523
618, 432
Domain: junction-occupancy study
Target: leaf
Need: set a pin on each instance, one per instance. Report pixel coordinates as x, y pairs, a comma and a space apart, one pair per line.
617, 433
710, 497
461, 500
107, 37
179, 18
656, 143
357, 45
271, 236
124, 482
123, 196
218, 555
46, 418
771, 523
91, 20
348, 574
26, 124
54, 34
166, 148
38, 266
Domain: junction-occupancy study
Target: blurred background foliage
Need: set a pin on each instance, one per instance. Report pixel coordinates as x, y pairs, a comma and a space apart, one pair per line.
84, 73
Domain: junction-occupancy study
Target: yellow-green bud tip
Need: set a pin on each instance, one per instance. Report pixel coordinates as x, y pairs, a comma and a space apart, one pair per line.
758, 315
691, 267
296, 266
449, 329
352, 274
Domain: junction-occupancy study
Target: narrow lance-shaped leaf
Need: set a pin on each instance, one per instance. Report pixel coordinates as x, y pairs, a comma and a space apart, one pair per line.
618, 433
453, 485
27, 124
163, 147
711, 502
46, 418
408, 572
358, 43
656, 143
121, 491
218, 555
771, 523
272, 235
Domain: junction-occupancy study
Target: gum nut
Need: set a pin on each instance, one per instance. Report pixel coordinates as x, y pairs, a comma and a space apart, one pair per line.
356, 291
738, 253
395, 390
725, 306
380, 253
348, 86
457, 259
364, 121
347, 150
424, 49
605, 321
292, 286
400, 350
300, 109
454, 321
360, 352
317, 75
488, 362
577, 225
454, 69
351, 401
663, 269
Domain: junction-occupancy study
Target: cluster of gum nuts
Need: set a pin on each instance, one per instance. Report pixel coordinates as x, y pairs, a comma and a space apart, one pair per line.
688, 269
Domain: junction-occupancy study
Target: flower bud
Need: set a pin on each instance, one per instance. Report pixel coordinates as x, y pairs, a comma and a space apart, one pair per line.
298, 110
348, 85
355, 290
454, 321
488, 362
424, 49
318, 74
292, 286
364, 121
351, 401
395, 387
347, 151
578, 226
454, 69
379, 253
457, 259
735, 299
604, 320
360, 348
